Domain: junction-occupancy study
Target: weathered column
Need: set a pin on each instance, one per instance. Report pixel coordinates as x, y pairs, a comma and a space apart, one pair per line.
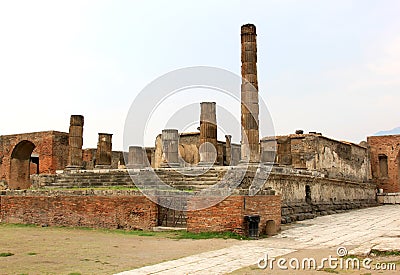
228, 149
250, 150
104, 151
170, 143
208, 133
75, 159
136, 157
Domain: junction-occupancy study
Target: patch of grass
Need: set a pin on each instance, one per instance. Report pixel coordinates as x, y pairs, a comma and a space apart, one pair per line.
18, 225
6, 254
166, 234
366, 274
146, 234
330, 270
350, 257
77, 188
74, 273
32, 253
206, 235
385, 253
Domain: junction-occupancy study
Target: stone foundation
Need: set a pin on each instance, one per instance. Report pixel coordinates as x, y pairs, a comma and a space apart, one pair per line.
389, 198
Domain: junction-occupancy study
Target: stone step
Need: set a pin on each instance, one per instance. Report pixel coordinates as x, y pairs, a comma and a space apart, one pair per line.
94, 180
85, 184
187, 175
75, 186
194, 183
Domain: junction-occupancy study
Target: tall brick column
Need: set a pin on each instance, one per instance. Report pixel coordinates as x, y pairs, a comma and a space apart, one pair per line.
136, 157
170, 143
250, 149
104, 151
208, 133
228, 149
75, 159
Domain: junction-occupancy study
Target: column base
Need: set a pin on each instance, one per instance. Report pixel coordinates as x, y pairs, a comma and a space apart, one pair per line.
204, 163
170, 165
135, 166
249, 163
270, 163
100, 167
73, 167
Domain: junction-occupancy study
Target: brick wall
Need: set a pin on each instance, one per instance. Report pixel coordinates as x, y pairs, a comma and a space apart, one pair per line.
388, 146
98, 211
228, 215
51, 147
128, 210
224, 216
268, 207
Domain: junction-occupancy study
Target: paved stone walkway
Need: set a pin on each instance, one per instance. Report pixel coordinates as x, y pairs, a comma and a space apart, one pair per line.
363, 230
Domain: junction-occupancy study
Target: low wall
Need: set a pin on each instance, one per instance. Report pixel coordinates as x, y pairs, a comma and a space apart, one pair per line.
326, 196
89, 209
389, 198
228, 215
307, 194
124, 209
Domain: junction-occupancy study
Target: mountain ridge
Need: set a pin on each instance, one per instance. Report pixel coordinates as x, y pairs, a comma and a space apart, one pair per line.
394, 131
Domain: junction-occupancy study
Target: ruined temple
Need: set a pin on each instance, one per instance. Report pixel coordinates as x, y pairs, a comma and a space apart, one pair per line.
299, 175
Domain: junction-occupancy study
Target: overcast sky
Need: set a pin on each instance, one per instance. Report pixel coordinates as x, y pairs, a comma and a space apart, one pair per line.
329, 66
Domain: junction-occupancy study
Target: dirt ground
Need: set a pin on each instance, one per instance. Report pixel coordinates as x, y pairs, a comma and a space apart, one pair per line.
318, 255
52, 250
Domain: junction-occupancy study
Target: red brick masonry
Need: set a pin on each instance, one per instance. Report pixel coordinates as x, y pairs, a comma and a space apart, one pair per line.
129, 210
228, 215
388, 146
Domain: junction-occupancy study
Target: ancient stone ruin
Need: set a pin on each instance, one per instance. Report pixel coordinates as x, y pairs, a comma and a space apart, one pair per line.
47, 177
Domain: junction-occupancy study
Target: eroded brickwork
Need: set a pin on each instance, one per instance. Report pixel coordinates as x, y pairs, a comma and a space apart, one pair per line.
90, 160
385, 161
51, 148
64, 209
229, 214
129, 210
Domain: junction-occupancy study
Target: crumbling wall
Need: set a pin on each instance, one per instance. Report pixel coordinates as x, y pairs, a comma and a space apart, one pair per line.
51, 147
337, 159
189, 148
228, 215
389, 147
189, 151
129, 210
89, 159
111, 209
307, 194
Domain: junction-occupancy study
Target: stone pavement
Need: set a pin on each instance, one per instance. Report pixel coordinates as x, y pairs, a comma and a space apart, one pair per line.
362, 230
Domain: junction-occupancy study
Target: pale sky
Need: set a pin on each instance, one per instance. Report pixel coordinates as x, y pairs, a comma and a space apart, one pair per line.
329, 66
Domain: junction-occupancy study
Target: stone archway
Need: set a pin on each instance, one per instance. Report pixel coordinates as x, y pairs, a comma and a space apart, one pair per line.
20, 165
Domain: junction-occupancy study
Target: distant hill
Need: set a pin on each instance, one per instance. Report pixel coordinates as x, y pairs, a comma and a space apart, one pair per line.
395, 131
